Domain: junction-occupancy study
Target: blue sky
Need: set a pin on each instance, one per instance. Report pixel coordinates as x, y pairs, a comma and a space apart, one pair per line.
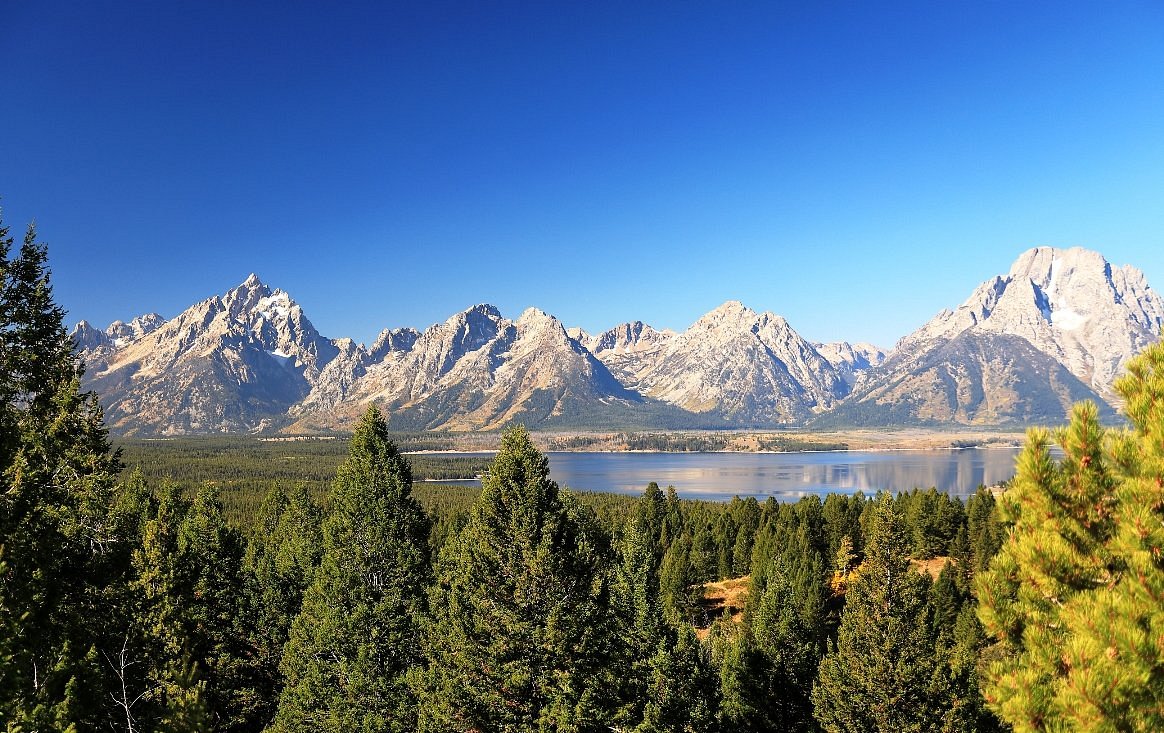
854, 167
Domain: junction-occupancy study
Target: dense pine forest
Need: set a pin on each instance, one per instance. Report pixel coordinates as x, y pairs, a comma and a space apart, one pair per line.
352, 599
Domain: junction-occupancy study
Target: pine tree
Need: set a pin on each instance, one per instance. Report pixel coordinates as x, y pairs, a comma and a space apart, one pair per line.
520, 639
188, 657
1073, 599
681, 694
789, 651
681, 585
639, 611
62, 544
281, 557
356, 637
742, 704
877, 678
157, 669
665, 682
213, 613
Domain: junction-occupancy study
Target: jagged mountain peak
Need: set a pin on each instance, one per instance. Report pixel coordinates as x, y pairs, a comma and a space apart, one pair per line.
1071, 304
533, 315
852, 361
483, 310
88, 338
249, 359
627, 337
578, 334
730, 311
1042, 264
393, 340
751, 367
121, 333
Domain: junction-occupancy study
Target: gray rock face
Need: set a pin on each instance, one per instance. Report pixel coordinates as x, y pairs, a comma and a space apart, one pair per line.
480, 370
121, 333
629, 349
977, 378
88, 338
852, 361
1070, 304
1059, 327
752, 368
231, 363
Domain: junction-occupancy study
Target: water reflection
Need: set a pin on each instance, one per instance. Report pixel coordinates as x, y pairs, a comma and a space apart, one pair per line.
786, 476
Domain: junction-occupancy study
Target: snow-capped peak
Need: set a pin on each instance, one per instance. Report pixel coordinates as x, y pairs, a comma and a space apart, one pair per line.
1070, 304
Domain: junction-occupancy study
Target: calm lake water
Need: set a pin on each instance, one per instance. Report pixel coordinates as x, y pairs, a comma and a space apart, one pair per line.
786, 476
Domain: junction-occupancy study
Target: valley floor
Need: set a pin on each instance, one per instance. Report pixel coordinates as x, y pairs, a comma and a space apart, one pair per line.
748, 441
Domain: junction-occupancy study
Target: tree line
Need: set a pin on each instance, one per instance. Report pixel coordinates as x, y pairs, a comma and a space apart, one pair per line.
129, 603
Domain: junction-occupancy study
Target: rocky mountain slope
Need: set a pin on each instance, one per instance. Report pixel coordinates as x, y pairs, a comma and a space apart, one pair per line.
852, 361
477, 370
1070, 304
1059, 327
976, 378
235, 362
751, 368
628, 349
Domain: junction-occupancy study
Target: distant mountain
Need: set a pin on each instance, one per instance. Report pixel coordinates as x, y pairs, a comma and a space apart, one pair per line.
852, 361
232, 363
976, 378
750, 368
1070, 304
1059, 327
628, 349
479, 370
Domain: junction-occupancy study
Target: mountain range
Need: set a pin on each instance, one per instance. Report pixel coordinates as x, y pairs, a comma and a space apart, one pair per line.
1057, 328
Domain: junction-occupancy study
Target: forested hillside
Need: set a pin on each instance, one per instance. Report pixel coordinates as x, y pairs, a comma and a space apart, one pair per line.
131, 603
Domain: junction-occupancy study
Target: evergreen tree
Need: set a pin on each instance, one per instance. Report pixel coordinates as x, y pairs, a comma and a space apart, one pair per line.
188, 659
665, 684
984, 533
681, 695
356, 637
62, 545
742, 704
519, 639
281, 557
958, 653
214, 613
681, 584
789, 651
1074, 596
156, 664
877, 678
638, 608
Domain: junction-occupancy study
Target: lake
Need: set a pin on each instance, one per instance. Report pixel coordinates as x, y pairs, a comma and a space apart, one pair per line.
786, 476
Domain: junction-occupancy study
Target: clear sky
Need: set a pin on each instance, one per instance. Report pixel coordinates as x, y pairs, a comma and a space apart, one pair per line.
853, 166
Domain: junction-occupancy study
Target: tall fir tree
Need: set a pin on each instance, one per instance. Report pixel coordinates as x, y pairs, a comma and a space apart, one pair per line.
877, 678
356, 638
1073, 599
61, 543
282, 555
214, 613
681, 694
639, 611
158, 675
520, 636
189, 660
789, 649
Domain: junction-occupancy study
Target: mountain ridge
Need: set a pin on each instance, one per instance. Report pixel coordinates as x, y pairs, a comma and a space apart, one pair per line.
1059, 326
